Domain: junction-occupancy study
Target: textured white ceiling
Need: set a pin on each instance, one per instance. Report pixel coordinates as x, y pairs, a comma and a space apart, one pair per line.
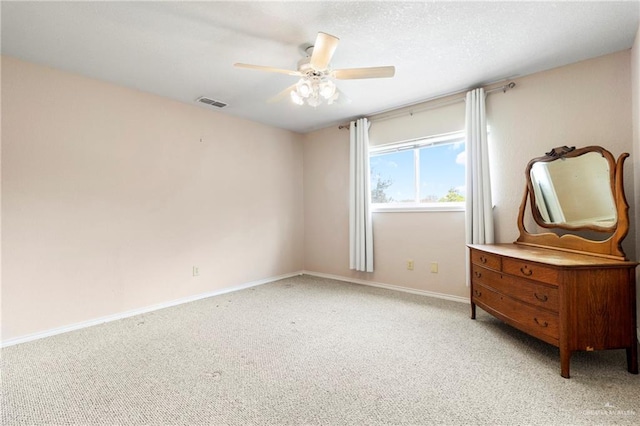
183, 50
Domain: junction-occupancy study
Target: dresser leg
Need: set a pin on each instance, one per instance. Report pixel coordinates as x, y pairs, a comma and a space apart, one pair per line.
565, 358
473, 310
632, 359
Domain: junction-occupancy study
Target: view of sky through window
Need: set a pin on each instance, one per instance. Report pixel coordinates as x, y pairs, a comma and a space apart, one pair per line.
441, 170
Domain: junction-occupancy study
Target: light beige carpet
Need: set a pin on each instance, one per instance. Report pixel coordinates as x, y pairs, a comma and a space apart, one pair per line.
310, 351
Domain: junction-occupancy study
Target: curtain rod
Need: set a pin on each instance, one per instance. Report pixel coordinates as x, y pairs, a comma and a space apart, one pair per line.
396, 111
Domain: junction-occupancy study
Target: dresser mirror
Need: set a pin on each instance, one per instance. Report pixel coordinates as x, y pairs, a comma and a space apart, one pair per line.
577, 197
574, 192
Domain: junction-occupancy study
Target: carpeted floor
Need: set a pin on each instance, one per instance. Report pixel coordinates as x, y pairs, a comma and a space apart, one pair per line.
310, 351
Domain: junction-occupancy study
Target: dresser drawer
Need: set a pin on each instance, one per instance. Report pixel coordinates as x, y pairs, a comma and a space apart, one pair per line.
484, 276
532, 271
537, 322
485, 259
531, 292
542, 295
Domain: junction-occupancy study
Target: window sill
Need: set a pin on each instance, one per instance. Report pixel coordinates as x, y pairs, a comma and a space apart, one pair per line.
410, 208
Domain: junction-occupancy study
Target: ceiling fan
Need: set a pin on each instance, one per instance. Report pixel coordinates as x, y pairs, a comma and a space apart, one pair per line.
315, 84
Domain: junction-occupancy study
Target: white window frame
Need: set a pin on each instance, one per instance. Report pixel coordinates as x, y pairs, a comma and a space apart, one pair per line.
416, 144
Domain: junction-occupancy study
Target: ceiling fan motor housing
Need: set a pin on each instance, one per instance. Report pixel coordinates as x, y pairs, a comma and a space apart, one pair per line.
304, 66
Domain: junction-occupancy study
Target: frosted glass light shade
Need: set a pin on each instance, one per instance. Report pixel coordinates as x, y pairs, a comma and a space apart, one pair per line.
314, 90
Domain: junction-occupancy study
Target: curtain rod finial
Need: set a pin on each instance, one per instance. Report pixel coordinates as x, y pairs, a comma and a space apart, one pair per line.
508, 86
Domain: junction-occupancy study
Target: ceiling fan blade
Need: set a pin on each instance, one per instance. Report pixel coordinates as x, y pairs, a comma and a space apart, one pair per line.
323, 51
268, 69
280, 96
372, 72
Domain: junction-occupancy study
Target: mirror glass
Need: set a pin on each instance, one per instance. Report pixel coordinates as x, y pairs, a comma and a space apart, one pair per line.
574, 191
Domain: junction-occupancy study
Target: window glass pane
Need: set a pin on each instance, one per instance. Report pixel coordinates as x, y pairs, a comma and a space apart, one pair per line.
393, 177
442, 173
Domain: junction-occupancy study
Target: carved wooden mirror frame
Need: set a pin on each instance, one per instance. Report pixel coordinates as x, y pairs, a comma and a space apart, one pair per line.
610, 247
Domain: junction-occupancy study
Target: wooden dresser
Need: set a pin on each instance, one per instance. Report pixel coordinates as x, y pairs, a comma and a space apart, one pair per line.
577, 302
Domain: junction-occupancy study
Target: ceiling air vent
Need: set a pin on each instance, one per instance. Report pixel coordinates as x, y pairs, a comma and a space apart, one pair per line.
211, 102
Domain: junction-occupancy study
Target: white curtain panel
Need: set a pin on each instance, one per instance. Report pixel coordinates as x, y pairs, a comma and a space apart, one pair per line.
479, 215
360, 224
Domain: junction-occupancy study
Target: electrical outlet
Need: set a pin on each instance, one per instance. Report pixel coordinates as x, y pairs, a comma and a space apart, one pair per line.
410, 265
196, 271
434, 267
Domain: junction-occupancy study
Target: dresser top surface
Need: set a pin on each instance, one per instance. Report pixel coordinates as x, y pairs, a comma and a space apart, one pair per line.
550, 256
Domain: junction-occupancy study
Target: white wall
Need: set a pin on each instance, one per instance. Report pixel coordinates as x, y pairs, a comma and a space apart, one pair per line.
110, 196
587, 103
397, 236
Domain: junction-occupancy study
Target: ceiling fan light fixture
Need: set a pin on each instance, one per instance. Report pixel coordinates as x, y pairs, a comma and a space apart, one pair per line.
296, 98
314, 90
304, 88
333, 98
314, 100
327, 89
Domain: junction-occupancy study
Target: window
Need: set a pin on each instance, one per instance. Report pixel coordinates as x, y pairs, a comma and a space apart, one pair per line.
423, 174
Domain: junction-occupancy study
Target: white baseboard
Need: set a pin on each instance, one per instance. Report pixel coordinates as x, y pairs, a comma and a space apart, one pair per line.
389, 287
133, 312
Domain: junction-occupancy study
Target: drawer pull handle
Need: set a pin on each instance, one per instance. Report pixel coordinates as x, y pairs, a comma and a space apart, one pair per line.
477, 293
541, 324
478, 274
526, 271
483, 259
542, 298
